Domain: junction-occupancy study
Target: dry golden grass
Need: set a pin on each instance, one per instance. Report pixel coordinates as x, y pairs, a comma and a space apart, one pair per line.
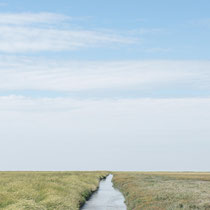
46, 190
164, 190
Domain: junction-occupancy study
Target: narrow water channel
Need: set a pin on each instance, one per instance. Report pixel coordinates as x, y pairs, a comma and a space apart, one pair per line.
106, 198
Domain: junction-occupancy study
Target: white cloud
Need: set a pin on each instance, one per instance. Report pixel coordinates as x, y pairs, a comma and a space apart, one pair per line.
26, 33
18, 73
126, 134
30, 18
30, 39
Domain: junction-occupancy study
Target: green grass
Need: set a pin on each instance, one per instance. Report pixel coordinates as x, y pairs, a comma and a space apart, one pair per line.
69, 190
46, 190
164, 190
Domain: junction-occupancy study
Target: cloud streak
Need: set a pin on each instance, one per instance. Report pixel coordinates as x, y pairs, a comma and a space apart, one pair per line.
31, 18
36, 32
19, 73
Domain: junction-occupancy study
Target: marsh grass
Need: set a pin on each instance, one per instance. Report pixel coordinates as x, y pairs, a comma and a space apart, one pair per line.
164, 190
46, 190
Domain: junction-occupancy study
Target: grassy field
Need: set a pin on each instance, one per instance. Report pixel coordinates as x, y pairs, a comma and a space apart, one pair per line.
46, 190
69, 190
164, 190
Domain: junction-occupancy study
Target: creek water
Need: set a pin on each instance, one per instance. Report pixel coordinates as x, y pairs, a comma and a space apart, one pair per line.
106, 197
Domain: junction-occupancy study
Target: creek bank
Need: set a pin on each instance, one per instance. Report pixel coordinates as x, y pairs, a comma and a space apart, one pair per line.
86, 195
106, 197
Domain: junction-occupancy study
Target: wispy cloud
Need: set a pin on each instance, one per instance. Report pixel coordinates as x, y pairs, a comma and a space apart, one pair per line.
25, 32
18, 73
30, 18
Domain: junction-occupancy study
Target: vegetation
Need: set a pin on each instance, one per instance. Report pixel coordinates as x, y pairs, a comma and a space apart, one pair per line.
47, 190
164, 190
69, 190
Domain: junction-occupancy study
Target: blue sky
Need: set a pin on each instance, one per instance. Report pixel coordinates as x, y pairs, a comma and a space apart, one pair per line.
82, 81
166, 30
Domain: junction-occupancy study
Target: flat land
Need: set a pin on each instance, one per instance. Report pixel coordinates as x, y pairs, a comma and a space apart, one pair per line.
46, 190
69, 190
164, 190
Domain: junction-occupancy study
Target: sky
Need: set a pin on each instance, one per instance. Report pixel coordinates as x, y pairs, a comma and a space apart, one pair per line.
105, 85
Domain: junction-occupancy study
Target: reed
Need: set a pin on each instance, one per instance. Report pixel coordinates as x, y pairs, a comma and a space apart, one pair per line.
164, 190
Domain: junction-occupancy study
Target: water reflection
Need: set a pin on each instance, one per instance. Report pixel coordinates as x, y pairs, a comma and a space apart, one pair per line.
106, 198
